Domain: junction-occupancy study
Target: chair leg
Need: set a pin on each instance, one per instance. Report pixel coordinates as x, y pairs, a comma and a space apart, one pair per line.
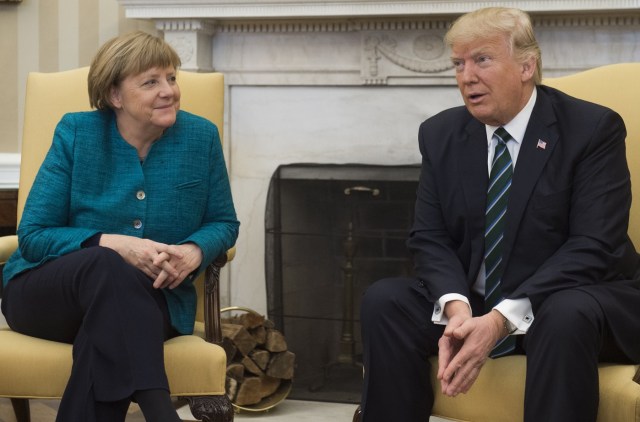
21, 409
357, 414
211, 408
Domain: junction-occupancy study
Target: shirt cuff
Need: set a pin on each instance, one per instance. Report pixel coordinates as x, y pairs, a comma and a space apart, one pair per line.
518, 312
438, 316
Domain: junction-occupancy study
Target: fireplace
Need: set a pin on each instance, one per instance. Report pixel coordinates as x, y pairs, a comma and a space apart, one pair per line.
330, 231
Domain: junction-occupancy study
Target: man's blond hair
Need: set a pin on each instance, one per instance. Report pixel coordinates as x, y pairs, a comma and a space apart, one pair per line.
515, 24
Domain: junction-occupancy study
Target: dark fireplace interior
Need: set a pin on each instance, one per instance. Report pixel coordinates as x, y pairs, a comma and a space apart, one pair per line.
332, 230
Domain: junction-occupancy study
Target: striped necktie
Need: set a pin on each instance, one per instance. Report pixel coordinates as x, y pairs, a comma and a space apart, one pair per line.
495, 217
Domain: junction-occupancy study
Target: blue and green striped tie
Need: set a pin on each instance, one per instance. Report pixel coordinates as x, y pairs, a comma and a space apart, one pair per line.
497, 199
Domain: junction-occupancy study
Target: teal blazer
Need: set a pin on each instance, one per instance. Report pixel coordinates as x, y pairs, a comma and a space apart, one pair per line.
92, 181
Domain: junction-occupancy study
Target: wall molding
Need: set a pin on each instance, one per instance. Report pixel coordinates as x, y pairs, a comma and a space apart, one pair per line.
261, 9
9, 170
400, 24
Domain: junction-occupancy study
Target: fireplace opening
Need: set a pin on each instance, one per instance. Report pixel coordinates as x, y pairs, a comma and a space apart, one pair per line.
330, 231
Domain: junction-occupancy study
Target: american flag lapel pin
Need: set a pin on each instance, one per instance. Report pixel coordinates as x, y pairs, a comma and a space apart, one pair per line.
541, 144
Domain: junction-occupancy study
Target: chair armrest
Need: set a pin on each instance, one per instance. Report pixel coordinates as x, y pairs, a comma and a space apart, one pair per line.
231, 253
8, 245
212, 324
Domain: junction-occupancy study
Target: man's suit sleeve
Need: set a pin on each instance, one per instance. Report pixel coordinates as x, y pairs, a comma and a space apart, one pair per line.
433, 248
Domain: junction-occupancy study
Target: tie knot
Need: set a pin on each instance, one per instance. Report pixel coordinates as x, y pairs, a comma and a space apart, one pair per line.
502, 135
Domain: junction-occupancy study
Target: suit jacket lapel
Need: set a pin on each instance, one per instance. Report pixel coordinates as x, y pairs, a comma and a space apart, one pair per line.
537, 146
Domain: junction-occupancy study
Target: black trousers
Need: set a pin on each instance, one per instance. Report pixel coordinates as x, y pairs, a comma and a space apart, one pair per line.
563, 346
111, 313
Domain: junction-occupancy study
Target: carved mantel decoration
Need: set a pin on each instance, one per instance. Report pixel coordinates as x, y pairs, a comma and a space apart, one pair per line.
407, 53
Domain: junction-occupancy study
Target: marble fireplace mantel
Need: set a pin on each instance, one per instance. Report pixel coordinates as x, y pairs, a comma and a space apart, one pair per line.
396, 42
347, 81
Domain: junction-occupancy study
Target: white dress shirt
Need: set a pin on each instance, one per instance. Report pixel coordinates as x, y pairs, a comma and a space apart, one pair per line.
517, 311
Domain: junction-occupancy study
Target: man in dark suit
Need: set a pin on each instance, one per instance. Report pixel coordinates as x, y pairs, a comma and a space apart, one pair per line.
559, 280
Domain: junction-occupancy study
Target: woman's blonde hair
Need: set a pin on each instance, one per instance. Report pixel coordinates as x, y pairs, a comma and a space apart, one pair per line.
491, 21
123, 56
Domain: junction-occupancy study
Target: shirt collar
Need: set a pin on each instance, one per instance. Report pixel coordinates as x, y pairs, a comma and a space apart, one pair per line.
518, 125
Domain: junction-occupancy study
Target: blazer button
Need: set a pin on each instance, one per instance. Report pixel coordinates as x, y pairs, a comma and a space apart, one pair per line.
137, 224
140, 195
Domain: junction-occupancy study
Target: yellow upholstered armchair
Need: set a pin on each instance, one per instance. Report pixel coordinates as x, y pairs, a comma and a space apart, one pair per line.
36, 368
498, 393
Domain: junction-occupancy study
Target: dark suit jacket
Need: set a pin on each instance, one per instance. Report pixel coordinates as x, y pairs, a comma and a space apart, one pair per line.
567, 216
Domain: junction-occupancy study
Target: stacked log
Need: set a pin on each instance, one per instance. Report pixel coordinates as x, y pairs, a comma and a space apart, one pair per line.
258, 360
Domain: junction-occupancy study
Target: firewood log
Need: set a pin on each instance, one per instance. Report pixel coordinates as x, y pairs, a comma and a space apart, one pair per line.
258, 359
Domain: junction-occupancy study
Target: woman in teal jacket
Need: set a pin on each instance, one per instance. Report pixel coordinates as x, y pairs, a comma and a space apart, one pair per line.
130, 204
